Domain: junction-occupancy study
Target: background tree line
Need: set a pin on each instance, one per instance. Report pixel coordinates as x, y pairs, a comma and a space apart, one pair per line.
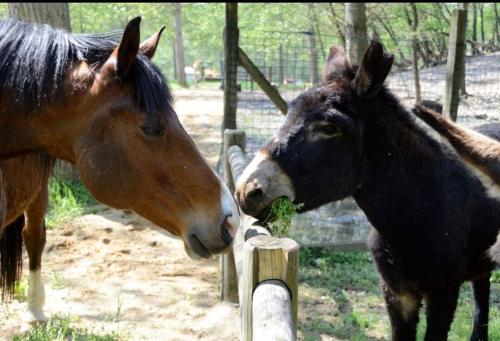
398, 26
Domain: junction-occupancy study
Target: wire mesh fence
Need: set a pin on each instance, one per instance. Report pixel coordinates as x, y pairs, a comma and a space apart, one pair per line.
286, 59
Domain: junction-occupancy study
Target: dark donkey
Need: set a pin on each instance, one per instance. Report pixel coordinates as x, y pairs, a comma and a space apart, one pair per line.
99, 102
479, 151
433, 218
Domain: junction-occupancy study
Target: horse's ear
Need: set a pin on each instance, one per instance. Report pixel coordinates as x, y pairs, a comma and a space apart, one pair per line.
335, 64
129, 47
148, 48
373, 70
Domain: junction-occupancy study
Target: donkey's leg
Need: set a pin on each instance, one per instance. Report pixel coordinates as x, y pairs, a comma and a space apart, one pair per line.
481, 290
34, 240
441, 307
403, 313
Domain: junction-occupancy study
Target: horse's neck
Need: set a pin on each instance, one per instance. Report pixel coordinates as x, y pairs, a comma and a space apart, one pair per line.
22, 134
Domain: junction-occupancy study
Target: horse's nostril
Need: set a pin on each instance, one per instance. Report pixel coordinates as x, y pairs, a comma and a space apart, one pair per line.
225, 230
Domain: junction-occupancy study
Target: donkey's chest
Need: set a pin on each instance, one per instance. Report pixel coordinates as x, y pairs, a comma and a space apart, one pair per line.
415, 266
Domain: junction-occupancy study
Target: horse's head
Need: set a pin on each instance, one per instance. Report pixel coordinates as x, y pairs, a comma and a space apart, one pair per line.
317, 155
132, 152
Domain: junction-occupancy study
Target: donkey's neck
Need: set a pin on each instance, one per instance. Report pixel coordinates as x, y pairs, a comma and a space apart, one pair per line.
409, 175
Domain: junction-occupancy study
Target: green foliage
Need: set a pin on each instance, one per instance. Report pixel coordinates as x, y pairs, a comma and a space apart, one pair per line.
21, 289
203, 25
60, 329
67, 199
280, 217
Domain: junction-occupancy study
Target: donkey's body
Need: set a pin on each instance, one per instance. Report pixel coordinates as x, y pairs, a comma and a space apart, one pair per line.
481, 153
434, 220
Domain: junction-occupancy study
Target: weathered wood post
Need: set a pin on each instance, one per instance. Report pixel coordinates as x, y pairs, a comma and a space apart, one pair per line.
455, 64
270, 292
231, 36
229, 280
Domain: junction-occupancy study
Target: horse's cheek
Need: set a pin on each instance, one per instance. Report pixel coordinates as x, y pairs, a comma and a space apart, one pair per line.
106, 172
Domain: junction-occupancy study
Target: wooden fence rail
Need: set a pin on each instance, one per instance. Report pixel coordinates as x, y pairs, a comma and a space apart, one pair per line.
266, 268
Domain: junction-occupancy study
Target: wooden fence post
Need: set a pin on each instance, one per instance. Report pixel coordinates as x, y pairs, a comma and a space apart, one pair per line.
231, 36
272, 264
229, 280
455, 65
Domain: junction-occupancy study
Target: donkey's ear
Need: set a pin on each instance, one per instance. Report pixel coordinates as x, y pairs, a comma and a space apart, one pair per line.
335, 64
129, 47
373, 70
148, 48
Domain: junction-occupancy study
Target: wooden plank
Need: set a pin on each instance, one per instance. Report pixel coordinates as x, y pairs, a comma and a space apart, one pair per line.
233, 138
249, 228
272, 312
265, 258
257, 75
229, 279
455, 65
237, 161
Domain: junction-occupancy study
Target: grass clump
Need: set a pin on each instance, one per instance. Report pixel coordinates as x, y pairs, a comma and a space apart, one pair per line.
59, 329
67, 199
280, 216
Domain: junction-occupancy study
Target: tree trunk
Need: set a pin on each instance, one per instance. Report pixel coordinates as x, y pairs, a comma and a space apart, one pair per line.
455, 62
475, 51
313, 51
356, 37
462, 89
414, 46
55, 15
497, 21
481, 16
179, 44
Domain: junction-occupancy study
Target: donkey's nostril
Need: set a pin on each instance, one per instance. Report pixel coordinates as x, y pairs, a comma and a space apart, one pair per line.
226, 231
255, 193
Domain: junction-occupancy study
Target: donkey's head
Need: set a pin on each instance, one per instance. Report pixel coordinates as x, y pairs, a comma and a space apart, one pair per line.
317, 156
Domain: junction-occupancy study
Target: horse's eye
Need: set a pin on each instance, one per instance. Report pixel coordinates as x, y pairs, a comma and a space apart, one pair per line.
152, 131
328, 130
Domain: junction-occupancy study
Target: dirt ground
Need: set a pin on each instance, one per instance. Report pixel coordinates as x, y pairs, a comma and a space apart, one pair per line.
114, 271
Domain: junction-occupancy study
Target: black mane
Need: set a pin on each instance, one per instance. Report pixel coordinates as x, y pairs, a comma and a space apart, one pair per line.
34, 60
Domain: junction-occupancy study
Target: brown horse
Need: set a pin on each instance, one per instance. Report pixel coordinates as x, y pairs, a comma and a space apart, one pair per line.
98, 102
26, 190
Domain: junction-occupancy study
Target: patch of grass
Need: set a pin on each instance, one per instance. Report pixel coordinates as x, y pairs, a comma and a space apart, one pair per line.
67, 199
21, 289
280, 216
340, 298
58, 281
59, 329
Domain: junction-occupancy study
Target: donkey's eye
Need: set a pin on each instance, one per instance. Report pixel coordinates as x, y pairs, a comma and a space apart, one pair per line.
328, 130
152, 131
